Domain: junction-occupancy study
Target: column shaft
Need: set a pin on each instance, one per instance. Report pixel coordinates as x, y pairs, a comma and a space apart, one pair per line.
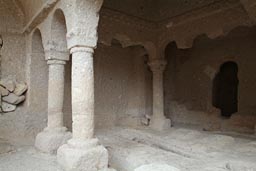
158, 98
55, 93
158, 121
82, 93
83, 152
55, 134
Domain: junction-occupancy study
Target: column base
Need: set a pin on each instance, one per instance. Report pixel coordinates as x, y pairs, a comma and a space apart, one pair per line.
86, 155
160, 124
50, 140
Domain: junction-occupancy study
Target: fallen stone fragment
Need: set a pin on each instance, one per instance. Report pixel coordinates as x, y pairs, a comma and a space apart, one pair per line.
20, 89
6, 107
4, 91
156, 167
13, 99
8, 84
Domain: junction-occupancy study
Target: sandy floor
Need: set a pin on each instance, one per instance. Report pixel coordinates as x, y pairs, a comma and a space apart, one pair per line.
187, 150
27, 159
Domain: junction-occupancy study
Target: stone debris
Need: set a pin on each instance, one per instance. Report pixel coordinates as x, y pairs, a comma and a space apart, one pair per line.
13, 99
4, 91
20, 89
8, 83
11, 94
6, 107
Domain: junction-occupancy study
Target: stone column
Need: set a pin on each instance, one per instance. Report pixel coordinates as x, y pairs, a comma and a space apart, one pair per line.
158, 120
55, 134
255, 129
83, 151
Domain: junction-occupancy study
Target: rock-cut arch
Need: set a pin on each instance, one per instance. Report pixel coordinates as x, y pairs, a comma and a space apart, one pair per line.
59, 45
38, 88
59, 31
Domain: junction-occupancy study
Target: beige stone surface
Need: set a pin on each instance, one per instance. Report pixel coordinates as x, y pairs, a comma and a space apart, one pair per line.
6, 107
8, 83
20, 89
158, 120
4, 91
13, 99
6, 147
156, 167
134, 75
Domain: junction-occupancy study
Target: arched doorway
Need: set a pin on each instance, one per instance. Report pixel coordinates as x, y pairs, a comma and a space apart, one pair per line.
225, 89
38, 86
58, 32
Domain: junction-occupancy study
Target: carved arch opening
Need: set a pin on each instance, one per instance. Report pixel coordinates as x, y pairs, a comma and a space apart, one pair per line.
59, 45
59, 31
225, 89
38, 81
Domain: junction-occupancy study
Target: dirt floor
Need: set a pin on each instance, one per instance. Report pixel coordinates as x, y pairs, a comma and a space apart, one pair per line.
184, 149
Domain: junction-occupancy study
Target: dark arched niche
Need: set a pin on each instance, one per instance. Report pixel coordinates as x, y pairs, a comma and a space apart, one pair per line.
225, 89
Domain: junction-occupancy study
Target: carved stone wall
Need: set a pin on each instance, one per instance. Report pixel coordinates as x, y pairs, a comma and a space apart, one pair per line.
189, 81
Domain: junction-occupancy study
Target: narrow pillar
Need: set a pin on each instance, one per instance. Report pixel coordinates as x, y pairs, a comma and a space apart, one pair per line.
55, 134
158, 120
83, 151
255, 129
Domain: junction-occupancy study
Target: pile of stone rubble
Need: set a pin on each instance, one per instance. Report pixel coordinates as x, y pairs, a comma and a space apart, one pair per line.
11, 94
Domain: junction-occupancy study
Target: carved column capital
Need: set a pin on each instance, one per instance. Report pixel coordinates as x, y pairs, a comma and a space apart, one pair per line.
55, 62
56, 55
157, 66
77, 49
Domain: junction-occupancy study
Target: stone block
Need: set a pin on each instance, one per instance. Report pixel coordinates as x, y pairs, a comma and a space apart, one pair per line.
49, 141
6, 107
13, 99
8, 84
20, 89
160, 124
4, 91
86, 157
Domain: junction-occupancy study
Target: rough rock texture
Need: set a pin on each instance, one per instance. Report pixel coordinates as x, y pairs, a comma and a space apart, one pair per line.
4, 91
20, 89
28, 159
6, 107
84, 156
13, 99
189, 81
181, 148
122, 83
5, 147
8, 83
156, 167
11, 94
49, 141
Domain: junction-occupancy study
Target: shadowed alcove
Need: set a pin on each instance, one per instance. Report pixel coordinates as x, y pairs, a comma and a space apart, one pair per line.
225, 89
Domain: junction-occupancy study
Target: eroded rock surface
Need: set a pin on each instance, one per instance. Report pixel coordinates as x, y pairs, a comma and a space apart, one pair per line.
156, 167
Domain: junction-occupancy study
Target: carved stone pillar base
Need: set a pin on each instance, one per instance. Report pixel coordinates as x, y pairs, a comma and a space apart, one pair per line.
49, 140
83, 155
160, 124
